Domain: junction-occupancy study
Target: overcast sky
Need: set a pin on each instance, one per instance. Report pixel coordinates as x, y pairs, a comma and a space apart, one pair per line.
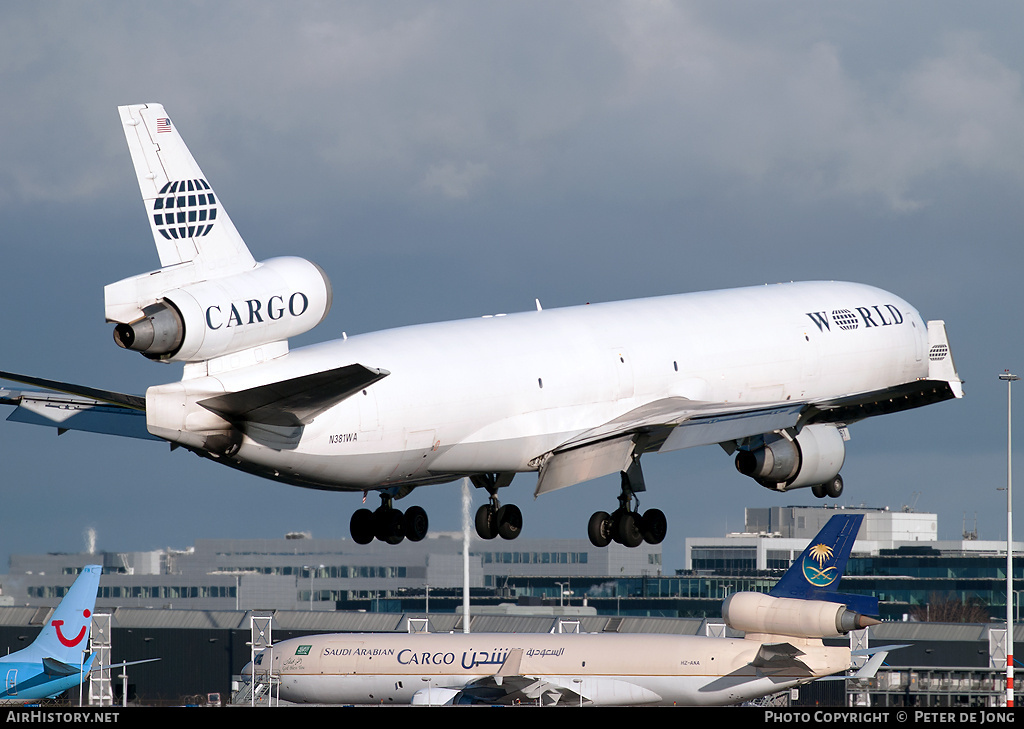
453, 159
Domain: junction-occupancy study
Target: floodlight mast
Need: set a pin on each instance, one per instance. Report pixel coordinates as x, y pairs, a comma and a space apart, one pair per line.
1009, 379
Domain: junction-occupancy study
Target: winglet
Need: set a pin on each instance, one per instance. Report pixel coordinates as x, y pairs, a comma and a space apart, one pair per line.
940, 358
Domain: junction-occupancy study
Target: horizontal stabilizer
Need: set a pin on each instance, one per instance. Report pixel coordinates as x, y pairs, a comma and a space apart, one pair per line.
53, 667
869, 669
778, 656
296, 401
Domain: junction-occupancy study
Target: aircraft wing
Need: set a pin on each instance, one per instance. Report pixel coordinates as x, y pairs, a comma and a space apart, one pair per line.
66, 411
510, 687
674, 423
514, 690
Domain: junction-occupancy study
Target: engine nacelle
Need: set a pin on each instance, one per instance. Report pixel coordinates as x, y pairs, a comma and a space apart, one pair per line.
174, 320
755, 612
814, 457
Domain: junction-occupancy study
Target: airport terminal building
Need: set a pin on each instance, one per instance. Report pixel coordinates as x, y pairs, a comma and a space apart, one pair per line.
897, 558
194, 607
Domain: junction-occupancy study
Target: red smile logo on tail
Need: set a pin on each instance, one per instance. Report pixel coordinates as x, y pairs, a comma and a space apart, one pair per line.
70, 643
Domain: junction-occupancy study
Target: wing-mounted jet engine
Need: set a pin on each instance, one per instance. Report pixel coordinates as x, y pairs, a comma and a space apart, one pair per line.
783, 462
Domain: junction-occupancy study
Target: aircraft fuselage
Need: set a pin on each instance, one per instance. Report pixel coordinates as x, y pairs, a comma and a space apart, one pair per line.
608, 669
492, 394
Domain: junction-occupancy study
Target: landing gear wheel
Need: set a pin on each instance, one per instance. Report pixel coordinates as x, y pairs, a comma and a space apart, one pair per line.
415, 524
387, 525
653, 526
486, 522
834, 488
818, 490
600, 529
361, 526
626, 530
510, 521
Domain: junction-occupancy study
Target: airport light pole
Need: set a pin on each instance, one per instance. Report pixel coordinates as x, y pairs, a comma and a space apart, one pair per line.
1009, 379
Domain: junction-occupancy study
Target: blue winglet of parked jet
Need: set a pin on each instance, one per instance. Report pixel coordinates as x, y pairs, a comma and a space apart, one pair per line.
815, 574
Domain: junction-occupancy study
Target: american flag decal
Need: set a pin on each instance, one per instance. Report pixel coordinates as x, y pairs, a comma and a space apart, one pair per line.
163, 124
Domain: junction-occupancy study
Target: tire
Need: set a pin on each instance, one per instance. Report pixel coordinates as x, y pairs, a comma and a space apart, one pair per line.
485, 522
510, 521
600, 529
653, 526
818, 490
834, 488
387, 525
361, 526
627, 531
415, 524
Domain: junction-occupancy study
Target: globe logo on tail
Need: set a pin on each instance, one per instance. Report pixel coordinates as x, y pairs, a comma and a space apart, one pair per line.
815, 567
184, 209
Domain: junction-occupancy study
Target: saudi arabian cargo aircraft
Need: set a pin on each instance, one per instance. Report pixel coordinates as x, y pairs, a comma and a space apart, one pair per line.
782, 648
57, 659
772, 374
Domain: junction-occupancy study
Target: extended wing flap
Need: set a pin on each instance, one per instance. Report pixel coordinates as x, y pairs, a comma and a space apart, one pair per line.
674, 422
296, 401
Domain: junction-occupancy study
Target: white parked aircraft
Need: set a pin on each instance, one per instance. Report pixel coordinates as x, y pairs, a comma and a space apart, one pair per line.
782, 648
773, 374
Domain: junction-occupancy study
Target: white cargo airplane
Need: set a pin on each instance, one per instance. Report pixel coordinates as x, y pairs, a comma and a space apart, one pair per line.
782, 648
773, 374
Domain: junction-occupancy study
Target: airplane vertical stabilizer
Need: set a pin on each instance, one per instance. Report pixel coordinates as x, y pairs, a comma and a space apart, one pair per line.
818, 569
187, 218
66, 635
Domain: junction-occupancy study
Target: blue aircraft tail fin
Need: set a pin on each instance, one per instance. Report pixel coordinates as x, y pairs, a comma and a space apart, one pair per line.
815, 574
67, 634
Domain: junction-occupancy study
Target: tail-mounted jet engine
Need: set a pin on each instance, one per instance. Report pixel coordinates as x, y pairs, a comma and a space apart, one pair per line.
812, 458
167, 316
755, 612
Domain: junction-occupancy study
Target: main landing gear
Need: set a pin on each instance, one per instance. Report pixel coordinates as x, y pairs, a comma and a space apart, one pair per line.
626, 525
493, 519
833, 489
388, 524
